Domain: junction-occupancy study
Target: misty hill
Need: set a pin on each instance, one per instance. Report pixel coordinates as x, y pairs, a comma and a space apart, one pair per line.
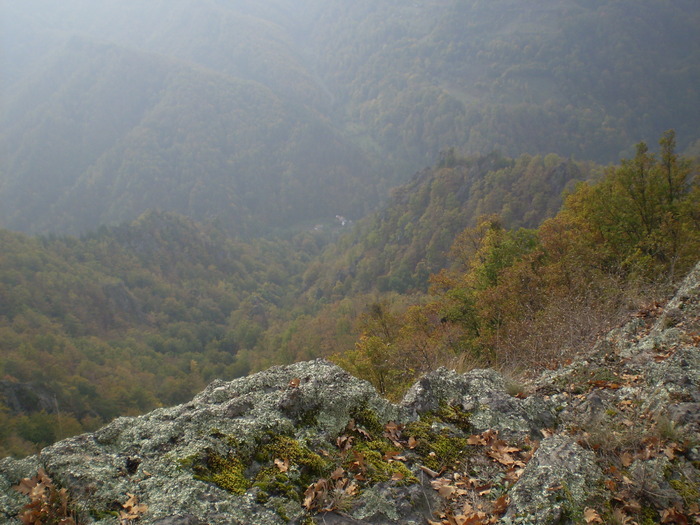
148, 132
407, 239
271, 114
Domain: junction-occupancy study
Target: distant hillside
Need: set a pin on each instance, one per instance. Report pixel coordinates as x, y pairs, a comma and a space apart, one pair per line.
582, 78
127, 319
280, 114
149, 132
399, 246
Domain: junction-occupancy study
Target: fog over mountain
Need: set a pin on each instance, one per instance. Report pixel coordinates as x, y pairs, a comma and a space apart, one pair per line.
266, 115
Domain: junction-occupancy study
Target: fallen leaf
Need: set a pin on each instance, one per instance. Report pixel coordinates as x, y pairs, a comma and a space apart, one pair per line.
620, 517
476, 440
344, 442
282, 465
429, 472
391, 454
513, 474
672, 515
294, 383
412, 442
591, 516
446, 491
500, 505
632, 506
484, 489
132, 509
626, 459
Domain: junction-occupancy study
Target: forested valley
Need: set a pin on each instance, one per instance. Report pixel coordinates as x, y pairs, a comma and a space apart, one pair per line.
200, 190
145, 314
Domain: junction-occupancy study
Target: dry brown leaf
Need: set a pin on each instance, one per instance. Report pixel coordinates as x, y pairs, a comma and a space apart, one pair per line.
620, 517
132, 509
390, 455
359, 462
513, 474
626, 459
412, 442
632, 506
282, 464
672, 515
484, 489
476, 440
309, 496
500, 505
671, 449
591, 516
344, 442
447, 491
429, 472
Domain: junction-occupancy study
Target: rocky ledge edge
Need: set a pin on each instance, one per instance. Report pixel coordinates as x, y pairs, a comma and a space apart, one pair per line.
612, 437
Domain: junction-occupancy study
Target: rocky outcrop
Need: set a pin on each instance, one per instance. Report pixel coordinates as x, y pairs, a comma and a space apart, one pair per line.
613, 436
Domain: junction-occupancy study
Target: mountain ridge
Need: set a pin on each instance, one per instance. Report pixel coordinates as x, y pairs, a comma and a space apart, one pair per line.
366, 95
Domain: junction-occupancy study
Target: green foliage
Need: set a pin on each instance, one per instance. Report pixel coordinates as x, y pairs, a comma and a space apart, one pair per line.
643, 214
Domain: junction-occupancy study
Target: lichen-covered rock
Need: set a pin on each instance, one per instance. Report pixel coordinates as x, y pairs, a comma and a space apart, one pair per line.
481, 393
150, 456
556, 485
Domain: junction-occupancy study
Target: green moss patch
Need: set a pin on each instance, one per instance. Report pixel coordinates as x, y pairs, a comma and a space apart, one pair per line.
227, 472
441, 437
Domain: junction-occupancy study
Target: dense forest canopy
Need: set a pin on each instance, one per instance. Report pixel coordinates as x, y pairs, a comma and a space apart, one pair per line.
276, 113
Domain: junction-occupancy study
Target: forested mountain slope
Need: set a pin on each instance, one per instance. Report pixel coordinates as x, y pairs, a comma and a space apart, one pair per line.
399, 246
149, 132
571, 77
270, 114
128, 318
